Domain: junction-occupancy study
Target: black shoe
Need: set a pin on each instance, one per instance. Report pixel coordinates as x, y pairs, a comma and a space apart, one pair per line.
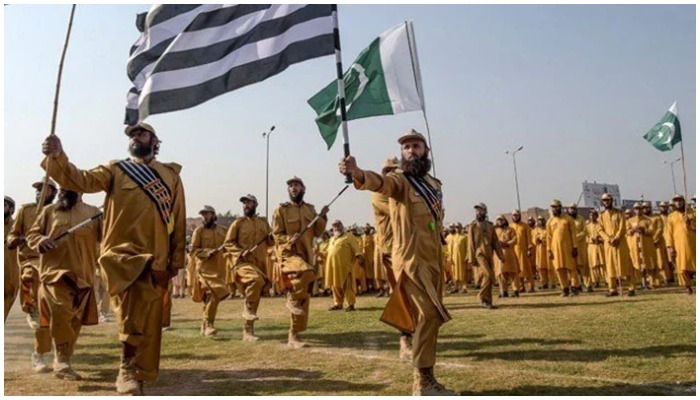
544, 287
532, 290
565, 292
477, 287
488, 305
631, 293
350, 308
505, 294
516, 294
589, 289
575, 291
612, 294
335, 308
688, 290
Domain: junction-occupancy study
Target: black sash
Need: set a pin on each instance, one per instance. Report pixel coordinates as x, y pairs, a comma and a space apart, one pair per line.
154, 187
430, 195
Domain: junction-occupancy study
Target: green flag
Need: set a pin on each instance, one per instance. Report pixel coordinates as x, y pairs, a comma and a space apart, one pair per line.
383, 80
667, 132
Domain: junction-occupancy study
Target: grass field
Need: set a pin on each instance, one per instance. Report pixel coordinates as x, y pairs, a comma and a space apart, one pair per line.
539, 344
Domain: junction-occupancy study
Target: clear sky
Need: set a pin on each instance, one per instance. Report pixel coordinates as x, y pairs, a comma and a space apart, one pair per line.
577, 86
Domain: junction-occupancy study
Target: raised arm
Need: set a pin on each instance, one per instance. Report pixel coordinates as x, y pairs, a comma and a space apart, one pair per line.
68, 175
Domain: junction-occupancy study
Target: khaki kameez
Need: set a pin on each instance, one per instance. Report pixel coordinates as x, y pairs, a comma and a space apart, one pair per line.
210, 267
295, 260
416, 262
67, 274
483, 245
243, 235
28, 261
11, 271
138, 254
507, 270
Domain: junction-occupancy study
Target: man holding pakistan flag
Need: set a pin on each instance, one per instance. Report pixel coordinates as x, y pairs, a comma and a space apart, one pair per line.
385, 79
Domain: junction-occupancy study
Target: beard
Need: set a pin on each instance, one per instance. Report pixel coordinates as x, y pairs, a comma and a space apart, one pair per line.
68, 201
209, 224
250, 212
140, 150
417, 168
481, 218
298, 198
573, 215
8, 214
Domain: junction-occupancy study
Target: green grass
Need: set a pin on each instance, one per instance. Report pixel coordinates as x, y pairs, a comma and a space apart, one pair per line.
539, 344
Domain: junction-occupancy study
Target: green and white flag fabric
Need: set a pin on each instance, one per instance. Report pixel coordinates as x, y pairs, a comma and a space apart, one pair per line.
383, 80
667, 132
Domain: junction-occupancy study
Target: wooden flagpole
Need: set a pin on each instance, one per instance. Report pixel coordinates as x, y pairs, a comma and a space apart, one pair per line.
42, 196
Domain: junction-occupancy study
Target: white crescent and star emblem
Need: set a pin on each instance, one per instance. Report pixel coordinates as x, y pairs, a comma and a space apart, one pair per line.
671, 131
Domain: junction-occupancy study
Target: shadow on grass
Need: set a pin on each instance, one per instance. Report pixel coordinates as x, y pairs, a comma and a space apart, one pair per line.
585, 355
679, 389
445, 345
251, 382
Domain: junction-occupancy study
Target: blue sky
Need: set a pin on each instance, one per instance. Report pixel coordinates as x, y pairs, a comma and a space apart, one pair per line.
578, 86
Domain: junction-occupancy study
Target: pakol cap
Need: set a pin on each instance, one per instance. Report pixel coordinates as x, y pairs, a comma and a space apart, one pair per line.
482, 206
555, 203
606, 196
9, 200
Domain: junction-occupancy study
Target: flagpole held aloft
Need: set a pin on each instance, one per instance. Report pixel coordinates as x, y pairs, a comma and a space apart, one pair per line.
42, 196
413, 48
341, 87
685, 180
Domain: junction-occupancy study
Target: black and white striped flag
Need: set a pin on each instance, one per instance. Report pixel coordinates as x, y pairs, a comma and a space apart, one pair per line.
188, 54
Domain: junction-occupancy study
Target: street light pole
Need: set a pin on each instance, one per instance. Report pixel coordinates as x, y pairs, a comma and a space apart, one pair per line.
515, 171
673, 175
266, 135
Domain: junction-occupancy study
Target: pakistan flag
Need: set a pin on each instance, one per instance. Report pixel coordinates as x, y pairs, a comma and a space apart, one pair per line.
384, 79
667, 132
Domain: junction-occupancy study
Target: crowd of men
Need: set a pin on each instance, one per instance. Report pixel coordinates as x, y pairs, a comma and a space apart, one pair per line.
137, 255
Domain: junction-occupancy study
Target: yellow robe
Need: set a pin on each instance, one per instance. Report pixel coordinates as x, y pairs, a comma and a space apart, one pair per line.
459, 258
523, 234
321, 259
210, 266
581, 243
617, 257
596, 256
73, 259
643, 253
11, 271
342, 252
510, 265
368, 253
539, 240
561, 240
681, 233
659, 227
